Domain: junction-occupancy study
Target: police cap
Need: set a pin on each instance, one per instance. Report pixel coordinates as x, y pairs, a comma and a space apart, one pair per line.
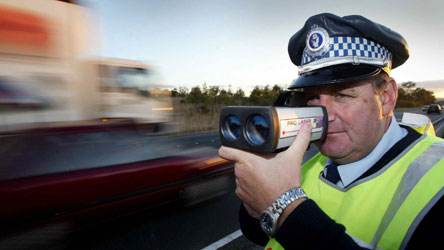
331, 49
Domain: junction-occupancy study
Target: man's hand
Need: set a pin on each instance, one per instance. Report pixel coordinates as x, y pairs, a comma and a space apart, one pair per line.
260, 179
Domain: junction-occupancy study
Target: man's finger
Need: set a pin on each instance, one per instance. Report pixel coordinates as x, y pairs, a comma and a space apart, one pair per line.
232, 154
300, 143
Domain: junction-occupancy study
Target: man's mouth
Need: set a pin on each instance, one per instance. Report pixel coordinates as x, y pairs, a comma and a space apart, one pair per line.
334, 132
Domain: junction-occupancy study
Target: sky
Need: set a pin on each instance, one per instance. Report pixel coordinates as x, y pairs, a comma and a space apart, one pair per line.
243, 43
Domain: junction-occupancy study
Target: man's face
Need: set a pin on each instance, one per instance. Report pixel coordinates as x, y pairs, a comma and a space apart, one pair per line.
355, 121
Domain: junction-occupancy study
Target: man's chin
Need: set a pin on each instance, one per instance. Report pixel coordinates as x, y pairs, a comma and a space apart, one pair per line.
331, 150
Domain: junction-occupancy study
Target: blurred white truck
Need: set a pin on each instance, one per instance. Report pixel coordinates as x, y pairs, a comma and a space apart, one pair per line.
50, 74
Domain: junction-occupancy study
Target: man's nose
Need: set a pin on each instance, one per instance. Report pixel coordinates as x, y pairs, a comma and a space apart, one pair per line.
327, 102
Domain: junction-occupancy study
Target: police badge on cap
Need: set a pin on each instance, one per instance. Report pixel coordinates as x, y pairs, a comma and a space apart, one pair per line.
331, 49
317, 43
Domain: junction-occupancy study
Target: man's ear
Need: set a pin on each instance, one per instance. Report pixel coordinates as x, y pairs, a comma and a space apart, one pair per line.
389, 96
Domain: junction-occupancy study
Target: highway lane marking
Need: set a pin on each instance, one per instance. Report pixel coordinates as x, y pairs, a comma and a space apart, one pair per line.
436, 122
222, 242
439, 128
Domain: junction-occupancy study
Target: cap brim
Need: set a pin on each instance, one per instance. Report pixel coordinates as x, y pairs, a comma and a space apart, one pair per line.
344, 73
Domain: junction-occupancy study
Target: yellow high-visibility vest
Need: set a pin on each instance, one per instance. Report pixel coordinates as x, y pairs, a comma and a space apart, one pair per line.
382, 210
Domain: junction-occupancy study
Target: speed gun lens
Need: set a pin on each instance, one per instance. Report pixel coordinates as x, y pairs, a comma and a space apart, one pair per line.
231, 128
258, 130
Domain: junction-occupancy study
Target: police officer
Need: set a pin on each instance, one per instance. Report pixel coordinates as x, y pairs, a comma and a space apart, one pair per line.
374, 184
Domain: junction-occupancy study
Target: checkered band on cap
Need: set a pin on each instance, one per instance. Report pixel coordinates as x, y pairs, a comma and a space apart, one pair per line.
341, 50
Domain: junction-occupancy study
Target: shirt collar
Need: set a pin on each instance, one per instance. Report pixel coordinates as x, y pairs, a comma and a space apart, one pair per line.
352, 171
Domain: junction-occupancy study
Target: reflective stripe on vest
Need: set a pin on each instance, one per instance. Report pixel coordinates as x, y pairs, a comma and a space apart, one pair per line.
415, 173
416, 170
382, 209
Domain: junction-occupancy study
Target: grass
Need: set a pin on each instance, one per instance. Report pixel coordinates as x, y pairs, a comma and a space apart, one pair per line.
406, 109
193, 119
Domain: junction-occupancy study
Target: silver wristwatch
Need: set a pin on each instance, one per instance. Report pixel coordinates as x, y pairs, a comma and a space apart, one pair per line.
270, 217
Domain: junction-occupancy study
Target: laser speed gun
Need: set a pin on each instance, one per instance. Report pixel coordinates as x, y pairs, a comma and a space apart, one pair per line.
269, 129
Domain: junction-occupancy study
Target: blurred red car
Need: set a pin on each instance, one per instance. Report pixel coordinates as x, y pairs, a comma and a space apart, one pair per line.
74, 198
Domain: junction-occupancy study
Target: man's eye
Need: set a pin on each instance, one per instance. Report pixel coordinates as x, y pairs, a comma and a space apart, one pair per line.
312, 99
342, 96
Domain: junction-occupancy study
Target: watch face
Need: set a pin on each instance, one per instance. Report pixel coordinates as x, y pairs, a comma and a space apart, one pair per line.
268, 223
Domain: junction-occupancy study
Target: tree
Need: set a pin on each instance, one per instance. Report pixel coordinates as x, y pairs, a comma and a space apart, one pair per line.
181, 92
408, 86
226, 97
174, 93
256, 96
195, 96
239, 97
213, 91
423, 96
409, 96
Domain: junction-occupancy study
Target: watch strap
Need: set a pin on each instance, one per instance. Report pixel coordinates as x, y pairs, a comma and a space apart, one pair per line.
270, 216
286, 199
